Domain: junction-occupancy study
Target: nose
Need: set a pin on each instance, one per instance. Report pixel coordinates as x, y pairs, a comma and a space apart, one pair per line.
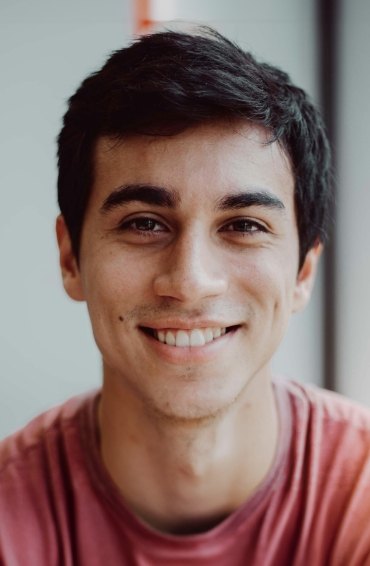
191, 271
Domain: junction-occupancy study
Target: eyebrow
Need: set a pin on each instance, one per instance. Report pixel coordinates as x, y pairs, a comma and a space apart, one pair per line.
160, 196
250, 198
148, 194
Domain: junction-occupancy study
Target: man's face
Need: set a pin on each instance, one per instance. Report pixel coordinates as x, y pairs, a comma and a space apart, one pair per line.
189, 264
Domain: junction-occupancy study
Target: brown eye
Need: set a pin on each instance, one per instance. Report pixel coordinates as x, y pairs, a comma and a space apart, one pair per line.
245, 226
145, 224
142, 224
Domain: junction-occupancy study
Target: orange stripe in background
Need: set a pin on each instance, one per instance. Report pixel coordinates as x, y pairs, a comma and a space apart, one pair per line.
143, 21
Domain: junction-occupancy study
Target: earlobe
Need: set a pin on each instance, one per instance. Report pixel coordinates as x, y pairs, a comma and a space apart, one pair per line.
306, 278
68, 264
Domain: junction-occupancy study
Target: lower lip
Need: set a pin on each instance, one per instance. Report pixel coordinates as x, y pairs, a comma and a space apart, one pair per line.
199, 354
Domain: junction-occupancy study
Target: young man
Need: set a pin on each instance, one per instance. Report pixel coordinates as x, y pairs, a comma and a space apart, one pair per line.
193, 187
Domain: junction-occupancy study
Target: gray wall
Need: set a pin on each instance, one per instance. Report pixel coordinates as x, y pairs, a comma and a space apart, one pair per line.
46, 48
353, 226
46, 348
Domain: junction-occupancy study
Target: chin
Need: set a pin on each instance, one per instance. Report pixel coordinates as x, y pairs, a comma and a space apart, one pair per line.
195, 408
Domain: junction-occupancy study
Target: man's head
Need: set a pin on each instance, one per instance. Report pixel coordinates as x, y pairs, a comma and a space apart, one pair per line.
168, 82
193, 191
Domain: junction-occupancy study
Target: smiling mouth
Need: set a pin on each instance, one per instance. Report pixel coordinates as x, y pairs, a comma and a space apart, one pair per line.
195, 337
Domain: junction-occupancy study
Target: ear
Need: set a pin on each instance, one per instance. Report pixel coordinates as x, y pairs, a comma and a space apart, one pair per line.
68, 264
306, 277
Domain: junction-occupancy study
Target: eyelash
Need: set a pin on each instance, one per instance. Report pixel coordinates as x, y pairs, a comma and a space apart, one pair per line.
128, 225
251, 226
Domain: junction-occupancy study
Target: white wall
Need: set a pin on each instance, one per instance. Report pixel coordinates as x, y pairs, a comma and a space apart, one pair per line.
353, 226
46, 348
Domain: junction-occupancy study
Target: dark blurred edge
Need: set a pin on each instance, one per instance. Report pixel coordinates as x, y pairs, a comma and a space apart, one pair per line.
328, 12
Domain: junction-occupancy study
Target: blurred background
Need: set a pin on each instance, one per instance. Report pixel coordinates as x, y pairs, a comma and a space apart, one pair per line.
47, 352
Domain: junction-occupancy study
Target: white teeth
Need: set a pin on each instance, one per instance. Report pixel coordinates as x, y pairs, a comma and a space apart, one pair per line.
161, 336
186, 338
197, 338
170, 338
182, 339
208, 335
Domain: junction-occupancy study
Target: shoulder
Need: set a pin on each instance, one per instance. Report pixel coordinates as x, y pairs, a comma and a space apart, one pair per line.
327, 406
330, 440
330, 435
330, 465
38, 467
329, 427
20, 446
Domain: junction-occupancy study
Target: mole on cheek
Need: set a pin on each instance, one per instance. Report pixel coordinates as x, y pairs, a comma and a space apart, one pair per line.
120, 318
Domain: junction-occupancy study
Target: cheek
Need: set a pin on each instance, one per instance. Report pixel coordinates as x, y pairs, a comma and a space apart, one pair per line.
269, 280
113, 276
113, 288
110, 293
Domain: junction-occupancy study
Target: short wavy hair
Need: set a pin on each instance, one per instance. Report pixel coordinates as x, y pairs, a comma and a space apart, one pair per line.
166, 82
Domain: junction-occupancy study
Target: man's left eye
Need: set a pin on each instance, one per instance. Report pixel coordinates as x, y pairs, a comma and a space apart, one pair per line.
244, 225
146, 224
142, 224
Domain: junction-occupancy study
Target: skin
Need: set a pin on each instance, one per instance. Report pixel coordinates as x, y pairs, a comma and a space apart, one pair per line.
187, 434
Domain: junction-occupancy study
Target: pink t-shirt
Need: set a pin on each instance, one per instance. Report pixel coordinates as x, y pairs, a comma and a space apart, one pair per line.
58, 505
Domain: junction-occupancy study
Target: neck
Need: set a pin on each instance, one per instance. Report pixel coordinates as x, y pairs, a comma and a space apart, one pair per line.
186, 475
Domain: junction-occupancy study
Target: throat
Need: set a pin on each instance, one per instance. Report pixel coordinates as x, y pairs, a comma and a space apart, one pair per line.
185, 479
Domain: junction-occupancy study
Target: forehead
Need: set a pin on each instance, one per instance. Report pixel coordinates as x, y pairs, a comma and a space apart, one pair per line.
204, 160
